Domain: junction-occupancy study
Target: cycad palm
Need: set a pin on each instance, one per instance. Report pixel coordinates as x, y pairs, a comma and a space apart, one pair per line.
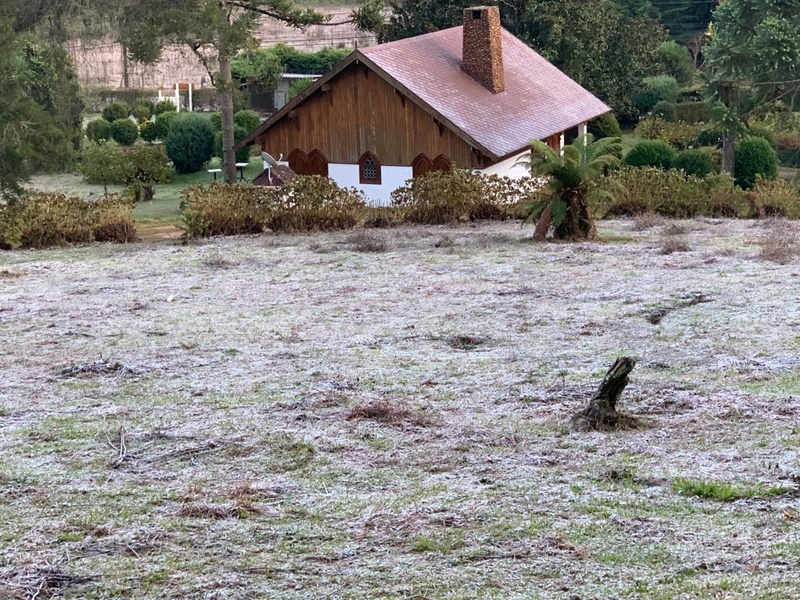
569, 177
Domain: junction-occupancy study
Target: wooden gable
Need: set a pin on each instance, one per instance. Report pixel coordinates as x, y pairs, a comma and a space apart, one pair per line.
358, 111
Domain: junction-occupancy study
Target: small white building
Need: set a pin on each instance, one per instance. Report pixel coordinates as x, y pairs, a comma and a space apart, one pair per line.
470, 97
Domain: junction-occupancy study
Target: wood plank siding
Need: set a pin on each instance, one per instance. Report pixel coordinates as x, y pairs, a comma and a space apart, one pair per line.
357, 112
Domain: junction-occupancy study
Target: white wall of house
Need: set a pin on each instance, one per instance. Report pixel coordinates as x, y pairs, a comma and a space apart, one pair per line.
508, 167
392, 177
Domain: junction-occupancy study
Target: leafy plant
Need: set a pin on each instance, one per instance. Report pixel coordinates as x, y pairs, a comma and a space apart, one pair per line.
651, 153
242, 154
569, 177
124, 131
116, 111
754, 157
163, 122
148, 131
163, 106
147, 166
604, 126
142, 109
653, 90
246, 119
678, 134
190, 142
98, 130
694, 162
103, 163
676, 62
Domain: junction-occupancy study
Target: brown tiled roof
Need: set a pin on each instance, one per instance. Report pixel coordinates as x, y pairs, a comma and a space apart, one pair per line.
539, 100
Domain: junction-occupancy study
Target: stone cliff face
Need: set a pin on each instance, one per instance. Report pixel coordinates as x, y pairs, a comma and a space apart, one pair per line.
102, 63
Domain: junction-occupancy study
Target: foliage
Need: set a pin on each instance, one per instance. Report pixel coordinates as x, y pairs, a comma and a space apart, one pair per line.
709, 137
306, 203
669, 193
148, 131
246, 119
98, 130
754, 158
570, 176
653, 90
40, 220
162, 123
164, 106
190, 142
310, 63
692, 112
458, 195
762, 132
774, 198
666, 111
686, 20
103, 163
680, 135
651, 153
694, 162
124, 131
146, 166
143, 108
298, 86
242, 154
604, 126
788, 149
676, 62
116, 111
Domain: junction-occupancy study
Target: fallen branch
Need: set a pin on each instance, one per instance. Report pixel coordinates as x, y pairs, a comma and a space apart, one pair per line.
602, 410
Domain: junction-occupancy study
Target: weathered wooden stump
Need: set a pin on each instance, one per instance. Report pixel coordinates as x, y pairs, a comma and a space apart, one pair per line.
602, 410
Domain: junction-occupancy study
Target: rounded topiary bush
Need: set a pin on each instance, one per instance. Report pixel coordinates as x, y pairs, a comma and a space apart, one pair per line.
116, 111
162, 124
124, 131
247, 120
190, 142
98, 130
604, 126
651, 153
694, 162
665, 110
163, 106
243, 154
754, 157
654, 90
141, 112
147, 131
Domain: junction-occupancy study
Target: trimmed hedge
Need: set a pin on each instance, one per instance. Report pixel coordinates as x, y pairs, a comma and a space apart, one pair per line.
190, 142
116, 111
754, 158
694, 162
98, 130
124, 131
650, 153
604, 126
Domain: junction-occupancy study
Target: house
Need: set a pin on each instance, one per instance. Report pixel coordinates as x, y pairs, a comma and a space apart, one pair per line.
470, 96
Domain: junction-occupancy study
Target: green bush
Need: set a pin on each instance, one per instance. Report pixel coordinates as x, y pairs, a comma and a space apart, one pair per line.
754, 157
650, 153
216, 121
103, 163
694, 162
604, 126
665, 110
692, 112
148, 131
147, 166
788, 147
247, 120
98, 130
190, 142
163, 106
243, 154
116, 111
141, 112
40, 220
162, 124
653, 90
676, 61
124, 131
763, 132
777, 198
678, 134
709, 137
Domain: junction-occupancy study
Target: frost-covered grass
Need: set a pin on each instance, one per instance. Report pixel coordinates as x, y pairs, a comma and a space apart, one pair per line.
303, 417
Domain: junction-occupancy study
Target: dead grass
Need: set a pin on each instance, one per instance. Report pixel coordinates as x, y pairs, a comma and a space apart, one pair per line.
364, 241
671, 245
779, 244
304, 427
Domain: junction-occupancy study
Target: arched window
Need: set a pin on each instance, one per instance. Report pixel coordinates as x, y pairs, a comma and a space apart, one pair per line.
369, 169
421, 165
317, 163
441, 163
298, 162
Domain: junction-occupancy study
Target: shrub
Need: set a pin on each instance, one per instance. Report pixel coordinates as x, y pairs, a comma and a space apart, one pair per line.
190, 142
694, 162
116, 111
709, 137
98, 130
243, 154
39, 220
754, 157
665, 110
604, 126
124, 131
163, 106
788, 148
162, 124
147, 165
763, 132
651, 153
776, 198
103, 163
678, 134
653, 90
148, 131
676, 62
692, 112
216, 121
143, 108
247, 120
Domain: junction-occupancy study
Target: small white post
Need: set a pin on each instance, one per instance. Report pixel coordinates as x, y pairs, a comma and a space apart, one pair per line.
561, 144
191, 85
582, 132
178, 97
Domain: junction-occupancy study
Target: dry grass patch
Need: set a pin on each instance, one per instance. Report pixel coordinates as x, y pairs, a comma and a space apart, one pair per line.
646, 221
779, 244
390, 413
671, 245
363, 241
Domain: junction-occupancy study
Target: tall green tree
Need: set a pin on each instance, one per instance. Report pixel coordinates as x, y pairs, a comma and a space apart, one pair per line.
216, 31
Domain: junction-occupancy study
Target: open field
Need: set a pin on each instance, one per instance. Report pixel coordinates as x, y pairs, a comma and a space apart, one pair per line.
385, 414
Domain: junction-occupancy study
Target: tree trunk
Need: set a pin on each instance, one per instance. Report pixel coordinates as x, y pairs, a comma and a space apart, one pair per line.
727, 153
578, 223
602, 410
225, 88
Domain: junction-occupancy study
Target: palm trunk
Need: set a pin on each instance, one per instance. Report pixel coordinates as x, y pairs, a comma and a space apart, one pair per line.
225, 87
727, 153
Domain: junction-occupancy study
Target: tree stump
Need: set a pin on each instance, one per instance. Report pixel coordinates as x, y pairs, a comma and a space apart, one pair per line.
602, 410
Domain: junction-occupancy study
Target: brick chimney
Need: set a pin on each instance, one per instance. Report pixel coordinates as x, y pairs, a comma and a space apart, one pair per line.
482, 49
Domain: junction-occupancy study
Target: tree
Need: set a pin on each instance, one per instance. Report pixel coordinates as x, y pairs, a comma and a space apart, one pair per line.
104, 163
570, 175
216, 31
